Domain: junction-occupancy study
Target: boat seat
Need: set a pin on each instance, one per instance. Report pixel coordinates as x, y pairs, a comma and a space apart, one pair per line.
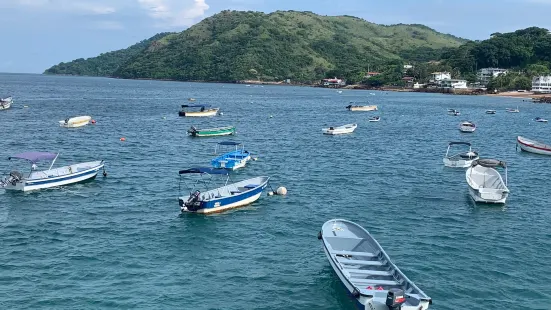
235, 192
250, 186
374, 282
353, 253
370, 272
359, 262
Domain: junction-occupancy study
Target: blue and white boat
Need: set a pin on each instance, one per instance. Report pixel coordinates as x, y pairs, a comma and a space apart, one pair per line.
223, 198
36, 179
232, 160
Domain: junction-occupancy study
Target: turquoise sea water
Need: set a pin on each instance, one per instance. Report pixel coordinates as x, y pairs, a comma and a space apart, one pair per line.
121, 242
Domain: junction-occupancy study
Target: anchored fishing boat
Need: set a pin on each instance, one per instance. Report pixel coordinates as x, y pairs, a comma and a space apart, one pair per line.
35, 179
223, 198
362, 107
204, 110
375, 119
211, 132
231, 160
485, 183
460, 160
453, 112
540, 120
75, 122
467, 127
533, 146
5, 103
339, 130
491, 111
510, 110
366, 270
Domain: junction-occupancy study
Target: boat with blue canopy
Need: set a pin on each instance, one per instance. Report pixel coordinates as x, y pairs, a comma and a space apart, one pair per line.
40, 179
233, 160
198, 110
226, 197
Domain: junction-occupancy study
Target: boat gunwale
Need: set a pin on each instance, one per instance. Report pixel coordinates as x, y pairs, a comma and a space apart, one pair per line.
526, 143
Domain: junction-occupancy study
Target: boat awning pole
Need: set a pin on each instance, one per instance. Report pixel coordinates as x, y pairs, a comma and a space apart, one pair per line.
53, 161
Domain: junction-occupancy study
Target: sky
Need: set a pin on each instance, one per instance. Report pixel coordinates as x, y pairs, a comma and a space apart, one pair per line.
37, 34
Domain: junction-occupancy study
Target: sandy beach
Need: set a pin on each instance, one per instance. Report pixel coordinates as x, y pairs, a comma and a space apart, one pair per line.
516, 94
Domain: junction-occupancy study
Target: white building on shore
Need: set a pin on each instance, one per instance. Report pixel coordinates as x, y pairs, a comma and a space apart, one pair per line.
453, 83
541, 84
438, 76
484, 75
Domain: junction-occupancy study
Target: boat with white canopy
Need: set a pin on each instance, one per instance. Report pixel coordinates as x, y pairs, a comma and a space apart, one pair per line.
485, 183
39, 179
5, 103
228, 196
533, 146
467, 127
232, 160
366, 270
339, 130
75, 122
463, 159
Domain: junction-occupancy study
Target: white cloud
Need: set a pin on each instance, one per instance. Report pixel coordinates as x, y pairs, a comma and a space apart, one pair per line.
175, 13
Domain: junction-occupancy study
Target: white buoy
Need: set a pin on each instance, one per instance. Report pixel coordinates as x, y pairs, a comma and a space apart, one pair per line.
270, 193
271, 116
255, 158
221, 113
282, 191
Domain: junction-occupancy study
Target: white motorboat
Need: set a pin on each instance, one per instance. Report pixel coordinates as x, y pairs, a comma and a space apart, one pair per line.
76, 173
467, 127
485, 183
460, 160
375, 119
204, 110
349, 128
75, 122
533, 146
5, 103
513, 110
366, 271
364, 108
491, 111
540, 120
453, 112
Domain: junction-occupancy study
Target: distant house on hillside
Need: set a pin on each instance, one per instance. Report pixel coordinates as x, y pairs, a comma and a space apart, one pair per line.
371, 74
408, 80
452, 83
484, 75
541, 84
333, 82
438, 76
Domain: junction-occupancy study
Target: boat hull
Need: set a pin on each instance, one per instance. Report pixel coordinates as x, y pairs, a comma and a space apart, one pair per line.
72, 178
231, 201
339, 130
76, 122
486, 185
533, 147
462, 163
231, 161
5, 105
363, 108
206, 113
467, 129
212, 132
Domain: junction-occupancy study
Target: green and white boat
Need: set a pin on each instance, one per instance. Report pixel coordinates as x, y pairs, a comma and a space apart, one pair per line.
212, 132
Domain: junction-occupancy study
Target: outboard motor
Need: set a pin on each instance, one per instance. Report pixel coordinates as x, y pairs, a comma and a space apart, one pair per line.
395, 299
15, 176
194, 201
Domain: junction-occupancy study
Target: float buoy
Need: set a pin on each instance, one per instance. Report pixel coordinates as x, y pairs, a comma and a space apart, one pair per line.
93, 121
271, 116
123, 139
270, 193
221, 113
255, 158
282, 191
25, 106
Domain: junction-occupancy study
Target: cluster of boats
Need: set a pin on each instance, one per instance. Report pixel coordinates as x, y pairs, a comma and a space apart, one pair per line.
349, 128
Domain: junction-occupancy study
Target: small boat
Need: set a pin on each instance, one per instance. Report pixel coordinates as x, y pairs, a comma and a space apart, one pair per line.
485, 183
204, 110
231, 160
191, 99
491, 111
5, 103
533, 146
223, 198
375, 119
362, 107
453, 112
513, 110
339, 91
467, 127
540, 120
51, 177
211, 132
75, 122
349, 128
460, 160
366, 270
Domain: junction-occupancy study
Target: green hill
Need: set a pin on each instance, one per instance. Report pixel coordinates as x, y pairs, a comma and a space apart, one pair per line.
105, 64
234, 45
